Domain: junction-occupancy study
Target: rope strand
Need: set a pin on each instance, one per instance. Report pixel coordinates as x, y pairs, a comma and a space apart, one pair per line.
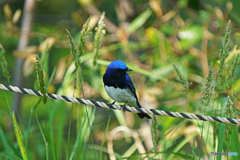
120, 107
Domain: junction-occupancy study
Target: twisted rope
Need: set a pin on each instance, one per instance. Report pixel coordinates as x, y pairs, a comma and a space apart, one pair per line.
120, 107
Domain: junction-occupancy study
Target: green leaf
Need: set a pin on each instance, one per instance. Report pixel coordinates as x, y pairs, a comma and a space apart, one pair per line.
167, 29
77, 140
190, 36
103, 141
19, 137
179, 146
220, 139
9, 155
43, 136
139, 21
234, 141
4, 136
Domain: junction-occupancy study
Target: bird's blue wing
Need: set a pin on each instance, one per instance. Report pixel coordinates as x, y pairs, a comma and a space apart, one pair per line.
130, 85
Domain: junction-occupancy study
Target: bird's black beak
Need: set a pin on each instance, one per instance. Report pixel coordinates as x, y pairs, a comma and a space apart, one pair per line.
129, 69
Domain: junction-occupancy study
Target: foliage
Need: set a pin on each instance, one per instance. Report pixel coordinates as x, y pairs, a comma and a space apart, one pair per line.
223, 55
207, 91
229, 112
3, 63
149, 36
19, 137
183, 80
98, 38
40, 77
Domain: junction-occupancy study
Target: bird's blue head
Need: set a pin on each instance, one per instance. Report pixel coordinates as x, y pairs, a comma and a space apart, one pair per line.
117, 69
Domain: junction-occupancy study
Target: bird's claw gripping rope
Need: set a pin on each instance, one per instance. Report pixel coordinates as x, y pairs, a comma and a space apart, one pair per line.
111, 105
122, 107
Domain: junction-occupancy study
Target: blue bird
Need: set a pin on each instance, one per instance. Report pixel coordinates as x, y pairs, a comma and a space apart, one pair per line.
119, 85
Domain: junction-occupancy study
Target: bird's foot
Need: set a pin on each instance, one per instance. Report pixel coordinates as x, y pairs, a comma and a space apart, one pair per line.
112, 105
124, 106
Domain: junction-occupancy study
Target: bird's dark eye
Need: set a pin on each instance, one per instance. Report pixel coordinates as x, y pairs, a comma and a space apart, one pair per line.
117, 69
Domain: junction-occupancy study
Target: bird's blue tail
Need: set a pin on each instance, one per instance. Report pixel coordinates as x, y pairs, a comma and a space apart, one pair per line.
142, 115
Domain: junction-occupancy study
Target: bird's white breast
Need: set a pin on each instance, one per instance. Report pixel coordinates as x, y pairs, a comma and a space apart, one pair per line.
121, 95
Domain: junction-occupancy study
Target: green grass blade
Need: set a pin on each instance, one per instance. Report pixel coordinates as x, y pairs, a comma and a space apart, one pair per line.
183, 156
130, 151
220, 140
51, 77
109, 118
87, 126
69, 132
51, 133
44, 139
35, 107
9, 142
60, 129
234, 141
19, 137
10, 156
4, 142
103, 149
11, 145
9, 108
122, 121
139, 21
170, 142
180, 145
30, 119
77, 141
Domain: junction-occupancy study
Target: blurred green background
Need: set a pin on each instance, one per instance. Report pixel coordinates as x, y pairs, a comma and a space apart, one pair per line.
148, 36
